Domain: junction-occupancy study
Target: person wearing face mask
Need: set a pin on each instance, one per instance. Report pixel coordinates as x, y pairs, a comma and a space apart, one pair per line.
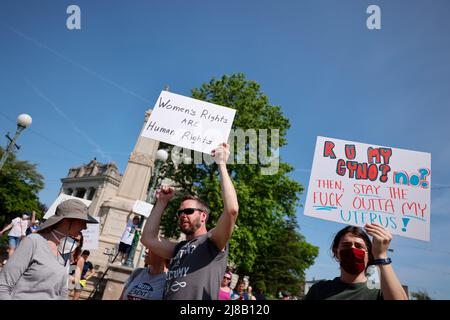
354, 251
38, 270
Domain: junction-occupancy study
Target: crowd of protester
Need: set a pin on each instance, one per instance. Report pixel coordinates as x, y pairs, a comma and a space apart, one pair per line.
47, 261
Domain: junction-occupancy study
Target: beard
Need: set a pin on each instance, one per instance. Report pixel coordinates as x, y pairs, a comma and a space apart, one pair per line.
191, 228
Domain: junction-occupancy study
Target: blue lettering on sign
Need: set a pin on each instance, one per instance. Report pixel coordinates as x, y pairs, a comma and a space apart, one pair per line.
327, 208
362, 217
415, 180
405, 223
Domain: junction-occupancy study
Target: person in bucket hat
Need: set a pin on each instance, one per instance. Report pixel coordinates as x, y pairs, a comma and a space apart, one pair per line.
37, 270
69, 209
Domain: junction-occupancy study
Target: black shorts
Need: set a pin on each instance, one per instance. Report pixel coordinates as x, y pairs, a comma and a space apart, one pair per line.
124, 248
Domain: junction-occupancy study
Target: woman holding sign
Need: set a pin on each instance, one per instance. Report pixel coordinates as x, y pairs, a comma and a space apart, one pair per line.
354, 251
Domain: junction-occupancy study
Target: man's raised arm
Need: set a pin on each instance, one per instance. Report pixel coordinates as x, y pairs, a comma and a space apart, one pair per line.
150, 235
225, 225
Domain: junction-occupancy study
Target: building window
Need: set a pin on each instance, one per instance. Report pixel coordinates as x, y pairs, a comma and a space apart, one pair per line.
91, 193
80, 193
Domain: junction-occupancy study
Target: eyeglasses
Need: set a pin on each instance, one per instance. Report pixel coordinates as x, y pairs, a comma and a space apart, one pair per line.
227, 278
188, 211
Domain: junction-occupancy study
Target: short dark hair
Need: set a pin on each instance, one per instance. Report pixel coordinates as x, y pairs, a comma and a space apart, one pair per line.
86, 252
239, 282
202, 204
357, 232
260, 286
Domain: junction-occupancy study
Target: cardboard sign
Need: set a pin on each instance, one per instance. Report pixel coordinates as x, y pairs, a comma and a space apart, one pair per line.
63, 197
189, 123
356, 183
143, 208
90, 235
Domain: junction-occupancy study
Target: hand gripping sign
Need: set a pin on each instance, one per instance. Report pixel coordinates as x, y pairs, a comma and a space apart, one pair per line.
189, 123
357, 183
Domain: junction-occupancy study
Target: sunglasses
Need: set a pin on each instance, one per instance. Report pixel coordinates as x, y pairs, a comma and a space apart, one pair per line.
227, 278
188, 211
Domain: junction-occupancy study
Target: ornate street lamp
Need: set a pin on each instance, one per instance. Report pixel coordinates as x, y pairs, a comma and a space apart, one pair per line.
161, 157
23, 121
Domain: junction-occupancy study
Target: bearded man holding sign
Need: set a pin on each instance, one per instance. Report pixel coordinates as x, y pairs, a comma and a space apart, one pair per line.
198, 264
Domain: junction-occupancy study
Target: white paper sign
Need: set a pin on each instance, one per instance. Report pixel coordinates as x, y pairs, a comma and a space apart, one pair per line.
189, 123
63, 197
356, 183
143, 208
90, 235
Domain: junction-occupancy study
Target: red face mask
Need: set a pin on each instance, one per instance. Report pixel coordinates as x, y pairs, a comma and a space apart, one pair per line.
352, 260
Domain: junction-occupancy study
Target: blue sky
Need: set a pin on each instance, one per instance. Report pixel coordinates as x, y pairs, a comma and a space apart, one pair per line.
87, 90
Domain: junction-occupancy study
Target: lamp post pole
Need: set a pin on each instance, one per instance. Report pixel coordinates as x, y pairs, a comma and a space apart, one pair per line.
161, 157
152, 188
23, 121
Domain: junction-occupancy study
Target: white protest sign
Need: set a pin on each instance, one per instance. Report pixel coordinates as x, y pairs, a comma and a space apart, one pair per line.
90, 235
357, 183
143, 208
189, 123
63, 197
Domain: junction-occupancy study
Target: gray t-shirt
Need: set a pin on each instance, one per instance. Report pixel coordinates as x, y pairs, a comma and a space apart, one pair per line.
143, 286
33, 272
196, 270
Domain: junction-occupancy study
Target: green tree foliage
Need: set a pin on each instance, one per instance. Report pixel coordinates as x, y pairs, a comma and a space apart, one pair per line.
267, 203
20, 183
282, 265
420, 295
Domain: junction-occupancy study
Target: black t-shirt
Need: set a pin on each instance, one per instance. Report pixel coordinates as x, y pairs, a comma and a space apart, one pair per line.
87, 266
337, 290
259, 296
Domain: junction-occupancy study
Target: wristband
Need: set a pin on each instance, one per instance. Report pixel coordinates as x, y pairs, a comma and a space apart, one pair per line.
382, 261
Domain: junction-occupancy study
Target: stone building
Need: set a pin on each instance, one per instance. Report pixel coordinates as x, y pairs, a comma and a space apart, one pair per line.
94, 181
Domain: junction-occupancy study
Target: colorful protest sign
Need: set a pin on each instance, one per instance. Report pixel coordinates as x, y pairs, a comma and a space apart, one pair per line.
357, 183
189, 123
